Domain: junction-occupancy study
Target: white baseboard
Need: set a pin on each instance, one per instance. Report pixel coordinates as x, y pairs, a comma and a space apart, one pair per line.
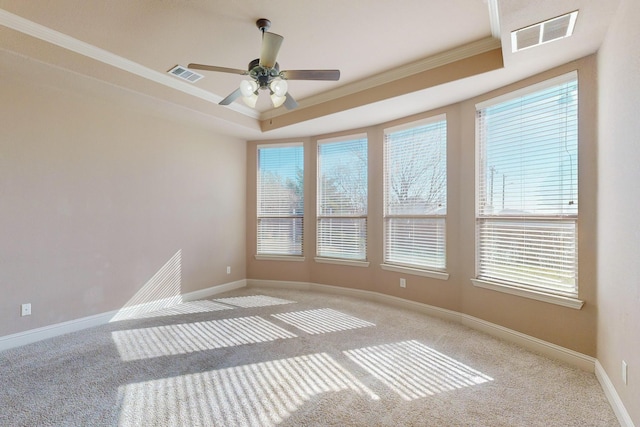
612, 396
214, 290
50, 331
548, 349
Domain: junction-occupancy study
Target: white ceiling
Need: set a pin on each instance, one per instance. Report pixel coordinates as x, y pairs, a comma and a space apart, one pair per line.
133, 43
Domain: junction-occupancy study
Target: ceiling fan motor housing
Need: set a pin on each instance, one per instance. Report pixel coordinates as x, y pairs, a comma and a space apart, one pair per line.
263, 75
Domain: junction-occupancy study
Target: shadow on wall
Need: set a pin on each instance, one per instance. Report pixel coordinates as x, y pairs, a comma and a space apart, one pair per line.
161, 291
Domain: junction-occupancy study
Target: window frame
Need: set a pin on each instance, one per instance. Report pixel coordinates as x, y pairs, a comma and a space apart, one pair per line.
298, 216
397, 265
522, 288
322, 217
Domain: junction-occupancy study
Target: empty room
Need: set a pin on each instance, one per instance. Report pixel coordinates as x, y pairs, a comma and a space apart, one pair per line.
347, 213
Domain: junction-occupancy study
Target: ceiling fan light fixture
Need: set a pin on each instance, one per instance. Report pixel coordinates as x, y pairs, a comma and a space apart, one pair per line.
279, 87
251, 100
248, 88
264, 73
277, 100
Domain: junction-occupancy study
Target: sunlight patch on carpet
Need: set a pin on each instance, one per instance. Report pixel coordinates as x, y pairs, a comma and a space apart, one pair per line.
413, 370
135, 344
191, 307
322, 320
260, 394
253, 301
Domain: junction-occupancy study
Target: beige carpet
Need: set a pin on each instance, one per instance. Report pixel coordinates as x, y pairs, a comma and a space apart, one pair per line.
265, 357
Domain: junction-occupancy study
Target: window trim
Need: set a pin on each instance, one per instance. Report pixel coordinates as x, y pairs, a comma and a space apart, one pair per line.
261, 257
434, 274
570, 302
341, 261
278, 257
318, 217
502, 286
425, 271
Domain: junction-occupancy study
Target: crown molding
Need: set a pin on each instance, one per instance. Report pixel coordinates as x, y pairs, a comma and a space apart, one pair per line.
465, 51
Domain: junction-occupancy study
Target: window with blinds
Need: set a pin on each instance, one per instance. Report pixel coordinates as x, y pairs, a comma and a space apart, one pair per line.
527, 200
415, 194
342, 199
280, 199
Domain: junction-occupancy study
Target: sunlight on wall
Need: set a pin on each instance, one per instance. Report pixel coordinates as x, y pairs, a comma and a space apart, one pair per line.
253, 301
135, 344
322, 320
162, 290
261, 394
414, 370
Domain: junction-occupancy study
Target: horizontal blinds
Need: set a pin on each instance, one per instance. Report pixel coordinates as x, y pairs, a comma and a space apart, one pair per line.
416, 170
528, 188
415, 186
529, 154
280, 181
415, 242
344, 238
541, 254
280, 204
280, 236
342, 178
342, 199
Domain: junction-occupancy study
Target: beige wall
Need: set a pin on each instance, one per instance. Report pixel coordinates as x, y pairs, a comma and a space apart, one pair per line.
102, 194
570, 328
618, 268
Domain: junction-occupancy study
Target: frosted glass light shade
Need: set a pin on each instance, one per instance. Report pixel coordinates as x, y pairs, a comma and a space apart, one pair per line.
248, 87
250, 100
277, 100
279, 87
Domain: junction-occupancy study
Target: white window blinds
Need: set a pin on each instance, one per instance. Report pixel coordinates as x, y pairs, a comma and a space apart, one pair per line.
342, 199
527, 206
280, 199
415, 194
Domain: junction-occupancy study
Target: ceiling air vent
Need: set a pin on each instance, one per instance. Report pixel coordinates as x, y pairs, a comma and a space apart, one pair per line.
544, 32
185, 74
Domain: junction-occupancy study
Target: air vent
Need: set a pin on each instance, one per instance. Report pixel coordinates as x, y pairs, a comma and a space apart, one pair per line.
544, 32
185, 74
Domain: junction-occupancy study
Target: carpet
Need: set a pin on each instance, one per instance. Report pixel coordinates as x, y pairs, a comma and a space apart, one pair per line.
275, 357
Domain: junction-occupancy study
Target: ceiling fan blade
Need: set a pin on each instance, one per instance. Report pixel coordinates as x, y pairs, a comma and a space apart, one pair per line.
214, 68
290, 103
311, 74
231, 97
270, 46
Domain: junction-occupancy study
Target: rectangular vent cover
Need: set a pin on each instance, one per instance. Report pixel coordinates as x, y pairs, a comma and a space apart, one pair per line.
185, 74
543, 32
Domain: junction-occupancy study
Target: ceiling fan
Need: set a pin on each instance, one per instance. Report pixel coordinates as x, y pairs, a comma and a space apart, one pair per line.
265, 73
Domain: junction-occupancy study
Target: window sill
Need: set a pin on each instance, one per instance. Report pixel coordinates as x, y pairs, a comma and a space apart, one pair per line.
279, 258
352, 263
527, 293
416, 271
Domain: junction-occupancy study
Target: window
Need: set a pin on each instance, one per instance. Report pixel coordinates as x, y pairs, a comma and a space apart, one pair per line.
280, 199
527, 207
342, 199
415, 194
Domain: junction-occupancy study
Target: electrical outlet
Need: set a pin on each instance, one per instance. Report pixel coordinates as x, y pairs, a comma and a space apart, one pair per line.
403, 283
25, 310
625, 371
228, 269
